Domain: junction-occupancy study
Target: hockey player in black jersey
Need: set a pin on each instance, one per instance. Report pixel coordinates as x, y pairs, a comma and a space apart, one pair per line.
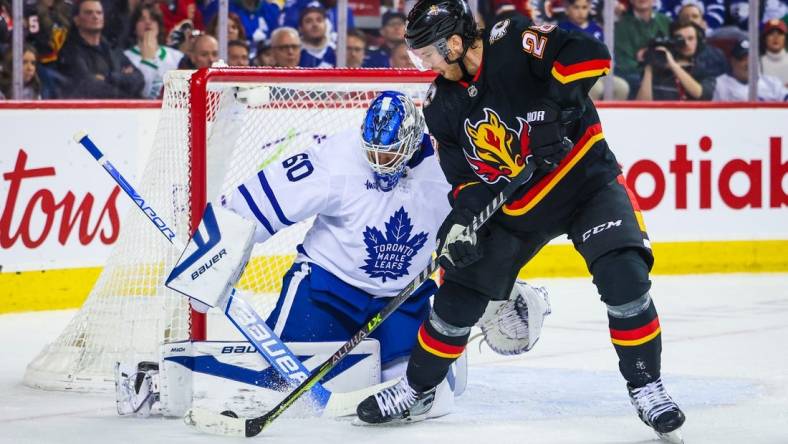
513, 94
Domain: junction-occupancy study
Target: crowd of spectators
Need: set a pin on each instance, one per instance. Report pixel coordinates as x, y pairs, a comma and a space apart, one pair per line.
664, 49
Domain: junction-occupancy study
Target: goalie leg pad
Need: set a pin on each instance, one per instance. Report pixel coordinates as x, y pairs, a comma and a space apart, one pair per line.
233, 376
394, 369
512, 327
444, 400
458, 374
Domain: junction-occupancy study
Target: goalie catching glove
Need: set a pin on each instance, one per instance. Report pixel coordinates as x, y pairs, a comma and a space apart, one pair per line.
513, 326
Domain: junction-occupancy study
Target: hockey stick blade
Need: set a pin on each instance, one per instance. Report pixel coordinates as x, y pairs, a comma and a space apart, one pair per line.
254, 426
208, 421
340, 404
264, 339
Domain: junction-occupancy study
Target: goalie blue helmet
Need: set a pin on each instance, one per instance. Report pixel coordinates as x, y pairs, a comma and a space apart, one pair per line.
392, 132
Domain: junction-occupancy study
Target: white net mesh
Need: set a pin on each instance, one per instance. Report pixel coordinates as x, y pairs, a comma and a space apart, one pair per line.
250, 123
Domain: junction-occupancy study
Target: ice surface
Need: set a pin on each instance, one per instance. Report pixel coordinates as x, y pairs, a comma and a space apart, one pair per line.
725, 361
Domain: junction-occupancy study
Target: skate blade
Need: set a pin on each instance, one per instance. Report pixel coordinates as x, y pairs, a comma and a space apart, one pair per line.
395, 423
359, 423
673, 437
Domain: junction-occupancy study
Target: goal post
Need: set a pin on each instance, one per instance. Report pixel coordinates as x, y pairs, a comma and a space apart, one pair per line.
216, 128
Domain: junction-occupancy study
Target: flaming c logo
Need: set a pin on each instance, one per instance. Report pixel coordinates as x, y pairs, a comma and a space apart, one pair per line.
498, 151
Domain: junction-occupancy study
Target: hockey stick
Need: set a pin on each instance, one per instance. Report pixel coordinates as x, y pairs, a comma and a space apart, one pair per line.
340, 404
240, 313
280, 145
225, 425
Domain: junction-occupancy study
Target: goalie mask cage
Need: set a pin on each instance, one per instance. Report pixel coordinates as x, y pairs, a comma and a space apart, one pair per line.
217, 127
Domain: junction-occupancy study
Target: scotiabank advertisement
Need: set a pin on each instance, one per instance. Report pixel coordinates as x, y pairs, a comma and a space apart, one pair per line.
705, 173
704, 176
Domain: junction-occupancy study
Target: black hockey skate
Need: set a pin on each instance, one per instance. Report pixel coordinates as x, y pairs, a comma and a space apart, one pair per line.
655, 407
397, 404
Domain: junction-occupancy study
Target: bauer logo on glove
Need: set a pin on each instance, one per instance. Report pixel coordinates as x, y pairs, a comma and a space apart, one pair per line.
214, 258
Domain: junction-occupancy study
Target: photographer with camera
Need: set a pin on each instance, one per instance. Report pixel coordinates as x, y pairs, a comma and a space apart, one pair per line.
674, 69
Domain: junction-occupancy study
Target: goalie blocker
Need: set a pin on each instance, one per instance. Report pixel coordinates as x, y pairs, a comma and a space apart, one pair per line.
214, 258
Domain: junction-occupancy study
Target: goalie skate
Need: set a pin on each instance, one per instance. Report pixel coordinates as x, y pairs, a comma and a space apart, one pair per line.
657, 410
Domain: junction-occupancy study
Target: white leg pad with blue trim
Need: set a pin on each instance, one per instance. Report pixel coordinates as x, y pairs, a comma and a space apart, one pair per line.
231, 375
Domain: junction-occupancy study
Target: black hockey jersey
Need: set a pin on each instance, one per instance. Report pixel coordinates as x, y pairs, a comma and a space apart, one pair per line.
482, 126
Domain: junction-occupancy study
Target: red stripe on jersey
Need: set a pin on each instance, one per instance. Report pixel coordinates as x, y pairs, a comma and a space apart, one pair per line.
631, 195
534, 195
575, 68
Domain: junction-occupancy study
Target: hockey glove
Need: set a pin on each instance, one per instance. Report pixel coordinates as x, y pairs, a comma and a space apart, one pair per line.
546, 137
513, 326
457, 250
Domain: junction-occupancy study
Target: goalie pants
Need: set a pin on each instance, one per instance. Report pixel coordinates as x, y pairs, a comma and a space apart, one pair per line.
315, 306
607, 230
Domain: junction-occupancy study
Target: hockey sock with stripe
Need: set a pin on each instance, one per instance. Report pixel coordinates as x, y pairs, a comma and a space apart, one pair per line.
638, 343
432, 355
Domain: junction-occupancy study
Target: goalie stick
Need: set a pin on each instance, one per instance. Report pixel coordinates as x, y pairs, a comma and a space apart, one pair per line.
226, 425
240, 313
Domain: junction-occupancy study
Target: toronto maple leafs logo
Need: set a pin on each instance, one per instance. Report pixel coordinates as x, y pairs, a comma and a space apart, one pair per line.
389, 255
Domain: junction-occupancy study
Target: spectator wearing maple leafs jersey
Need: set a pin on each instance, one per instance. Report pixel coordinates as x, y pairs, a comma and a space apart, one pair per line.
709, 14
317, 50
577, 19
739, 12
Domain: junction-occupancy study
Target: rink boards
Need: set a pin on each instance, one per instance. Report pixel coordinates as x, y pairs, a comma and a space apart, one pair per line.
712, 183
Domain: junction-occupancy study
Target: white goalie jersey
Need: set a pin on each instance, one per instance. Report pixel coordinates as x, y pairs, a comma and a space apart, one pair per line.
373, 240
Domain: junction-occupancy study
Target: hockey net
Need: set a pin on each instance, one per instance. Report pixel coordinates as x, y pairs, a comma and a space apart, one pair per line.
217, 127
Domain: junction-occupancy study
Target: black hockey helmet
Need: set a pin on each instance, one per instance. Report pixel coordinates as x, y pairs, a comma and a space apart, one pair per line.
432, 20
